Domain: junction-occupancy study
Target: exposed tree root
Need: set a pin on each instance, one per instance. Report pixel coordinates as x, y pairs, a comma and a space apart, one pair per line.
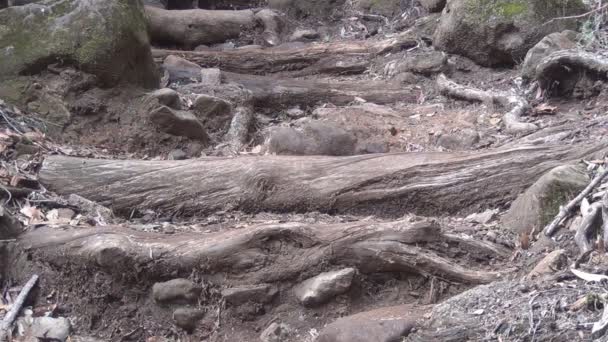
381, 184
562, 69
277, 59
516, 105
588, 228
190, 28
267, 253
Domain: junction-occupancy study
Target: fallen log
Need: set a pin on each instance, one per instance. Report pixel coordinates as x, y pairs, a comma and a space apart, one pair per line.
189, 28
263, 253
278, 59
379, 184
270, 92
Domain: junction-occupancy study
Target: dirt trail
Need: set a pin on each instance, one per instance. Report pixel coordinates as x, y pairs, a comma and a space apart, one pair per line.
132, 243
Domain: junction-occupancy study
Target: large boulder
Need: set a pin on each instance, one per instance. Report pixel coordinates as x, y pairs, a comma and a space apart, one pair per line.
500, 32
554, 42
539, 204
106, 38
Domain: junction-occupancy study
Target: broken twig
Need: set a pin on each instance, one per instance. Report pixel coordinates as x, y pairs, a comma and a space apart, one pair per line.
565, 211
7, 322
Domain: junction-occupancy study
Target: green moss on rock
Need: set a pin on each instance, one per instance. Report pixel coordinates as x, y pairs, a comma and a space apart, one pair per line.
106, 38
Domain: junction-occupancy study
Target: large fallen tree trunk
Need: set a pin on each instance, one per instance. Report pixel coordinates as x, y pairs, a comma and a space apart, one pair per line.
381, 184
269, 252
190, 28
277, 59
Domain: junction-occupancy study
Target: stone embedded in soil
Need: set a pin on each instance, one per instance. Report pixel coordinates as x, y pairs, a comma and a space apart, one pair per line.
276, 332
181, 69
176, 291
214, 111
461, 140
211, 77
389, 324
262, 293
304, 35
91, 208
167, 97
550, 264
483, 218
50, 329
177, 154
539, 204
324, 287
187, 318
316, 138
426, 63
178, 123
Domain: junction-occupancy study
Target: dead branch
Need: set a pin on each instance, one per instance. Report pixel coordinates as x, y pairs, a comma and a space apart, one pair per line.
398, 246
587, 228
579, 16
382, 184
516, 105
7, 322
565, 211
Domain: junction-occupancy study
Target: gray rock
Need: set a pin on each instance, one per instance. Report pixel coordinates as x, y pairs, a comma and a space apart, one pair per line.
407, 78
554, 42
52, 31
263, 293
427, 63
274, 24
211, 77
324, 287
177, 154
54, 329
433, 5
180, 69
295, 113
375, 147
176, 291
304, 35
178, 123
500, 32
215, 113
316, 138
276, 333
91, 208
382, 325
167, 97
187, 318
483, 218
460, 140
539, 204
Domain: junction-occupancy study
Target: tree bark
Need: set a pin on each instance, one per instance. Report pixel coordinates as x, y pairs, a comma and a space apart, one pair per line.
380, 184
279, 59
189, 28
268, 252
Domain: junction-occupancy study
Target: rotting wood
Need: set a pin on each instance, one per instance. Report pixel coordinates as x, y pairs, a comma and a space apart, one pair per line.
516, 105
264, 253
380, 184
314, 57
11, 315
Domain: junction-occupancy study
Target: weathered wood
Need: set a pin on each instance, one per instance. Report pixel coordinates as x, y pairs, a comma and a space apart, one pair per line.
301, 56
559, 68
269, 93
263, 253
189, 28
381, 184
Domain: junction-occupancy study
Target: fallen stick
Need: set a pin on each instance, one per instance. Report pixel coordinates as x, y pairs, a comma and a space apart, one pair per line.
517, 105
7, 322
564, 212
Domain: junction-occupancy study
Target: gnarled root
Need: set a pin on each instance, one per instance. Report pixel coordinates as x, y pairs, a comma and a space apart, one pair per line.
563, 69
516, 105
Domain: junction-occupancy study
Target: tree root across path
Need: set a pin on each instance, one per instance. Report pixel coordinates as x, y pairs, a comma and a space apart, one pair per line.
379, 184
563, 69
271, 252
516, 105
313, 57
